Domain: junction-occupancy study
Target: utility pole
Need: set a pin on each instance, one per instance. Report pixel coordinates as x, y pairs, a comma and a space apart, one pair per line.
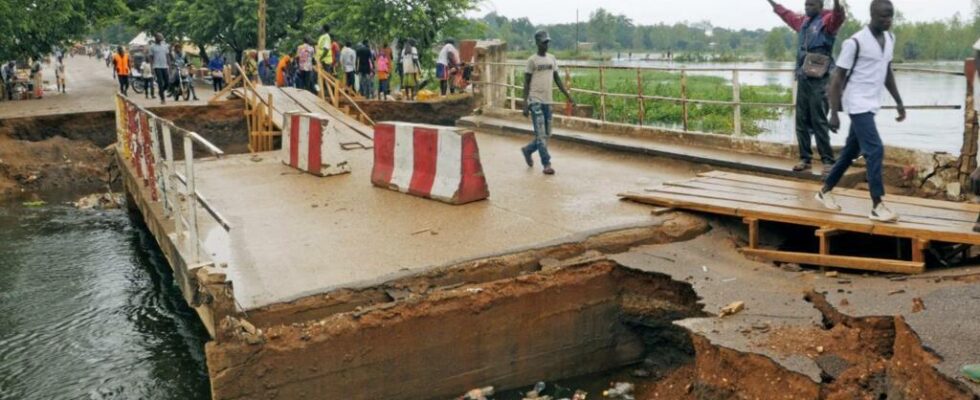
576, 31
261, 46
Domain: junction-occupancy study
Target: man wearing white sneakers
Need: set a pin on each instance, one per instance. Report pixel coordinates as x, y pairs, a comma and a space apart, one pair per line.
863, 69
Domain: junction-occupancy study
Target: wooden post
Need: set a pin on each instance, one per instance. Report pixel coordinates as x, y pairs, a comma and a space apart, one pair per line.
684, 99
602, 94
190, 197
261, 44
268, 125
568, 86
753, 232
639, 96
968, 152
737, 99
511, 82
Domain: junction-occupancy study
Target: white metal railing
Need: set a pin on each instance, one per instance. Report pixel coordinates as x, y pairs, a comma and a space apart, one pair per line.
142, 138
512, 88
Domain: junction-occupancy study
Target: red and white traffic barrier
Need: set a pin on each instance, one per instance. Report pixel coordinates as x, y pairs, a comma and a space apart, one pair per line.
441, 163
310, 143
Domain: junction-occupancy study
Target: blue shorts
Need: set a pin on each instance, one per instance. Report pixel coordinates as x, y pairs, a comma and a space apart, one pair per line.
441, 72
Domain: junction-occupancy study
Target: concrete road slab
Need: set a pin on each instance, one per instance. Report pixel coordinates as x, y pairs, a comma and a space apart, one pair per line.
295, 234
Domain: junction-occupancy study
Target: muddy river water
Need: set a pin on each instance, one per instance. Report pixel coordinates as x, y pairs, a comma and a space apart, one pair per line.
89, 310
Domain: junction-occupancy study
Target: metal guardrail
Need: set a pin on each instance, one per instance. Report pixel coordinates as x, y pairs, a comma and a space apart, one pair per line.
146, 140
684, 100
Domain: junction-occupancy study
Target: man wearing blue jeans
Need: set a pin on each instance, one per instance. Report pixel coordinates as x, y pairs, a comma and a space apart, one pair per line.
542, 69
863, 69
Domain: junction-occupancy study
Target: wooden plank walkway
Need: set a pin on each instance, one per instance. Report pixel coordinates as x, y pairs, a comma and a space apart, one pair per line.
757, 199
353, 132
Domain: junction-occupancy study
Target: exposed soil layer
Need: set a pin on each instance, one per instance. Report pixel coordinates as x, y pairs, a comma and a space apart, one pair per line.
438, 111
70, 155
860, 358
566, 321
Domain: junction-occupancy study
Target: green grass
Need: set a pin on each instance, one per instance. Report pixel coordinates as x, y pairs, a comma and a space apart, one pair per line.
701, 117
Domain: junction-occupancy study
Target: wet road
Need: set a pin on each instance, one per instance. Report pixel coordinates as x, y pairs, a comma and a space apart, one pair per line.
89, 310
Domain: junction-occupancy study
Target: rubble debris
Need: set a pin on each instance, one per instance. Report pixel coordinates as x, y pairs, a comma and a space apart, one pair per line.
971, 372
896, 291
640, 373
99, 201
478, 394
579, 395
620, 391
535, 393
732, 309
918, 305
831, 274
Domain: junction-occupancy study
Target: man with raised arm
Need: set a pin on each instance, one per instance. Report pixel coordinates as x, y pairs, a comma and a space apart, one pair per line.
864, 68
817, 30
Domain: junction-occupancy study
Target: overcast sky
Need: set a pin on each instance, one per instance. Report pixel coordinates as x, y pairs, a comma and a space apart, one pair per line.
750, 14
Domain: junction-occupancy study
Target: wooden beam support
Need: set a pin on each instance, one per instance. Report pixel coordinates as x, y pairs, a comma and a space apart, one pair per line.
753, 224
919, 248
825, 234
862, 263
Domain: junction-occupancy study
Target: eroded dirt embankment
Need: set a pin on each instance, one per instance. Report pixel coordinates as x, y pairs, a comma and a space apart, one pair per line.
71, 154
438, 111
859, 358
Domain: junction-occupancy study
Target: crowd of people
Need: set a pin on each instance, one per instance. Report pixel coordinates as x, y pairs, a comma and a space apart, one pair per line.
361, 67
160, 70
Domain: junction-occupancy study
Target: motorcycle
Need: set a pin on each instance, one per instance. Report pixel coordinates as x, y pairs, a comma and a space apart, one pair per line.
182, 85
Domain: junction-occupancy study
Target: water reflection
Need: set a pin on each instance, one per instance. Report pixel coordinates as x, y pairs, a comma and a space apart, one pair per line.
89, 310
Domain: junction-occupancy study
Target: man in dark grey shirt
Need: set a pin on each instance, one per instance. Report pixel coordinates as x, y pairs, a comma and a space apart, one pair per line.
160, 59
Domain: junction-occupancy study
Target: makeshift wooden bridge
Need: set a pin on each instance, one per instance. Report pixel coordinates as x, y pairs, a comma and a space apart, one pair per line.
265, 107
924, 222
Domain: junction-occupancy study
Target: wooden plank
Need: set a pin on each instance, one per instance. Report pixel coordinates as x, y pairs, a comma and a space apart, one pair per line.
812, 206
662, 210
802, 201
862, 263
315, 104
862, 204
972, 208
816, 219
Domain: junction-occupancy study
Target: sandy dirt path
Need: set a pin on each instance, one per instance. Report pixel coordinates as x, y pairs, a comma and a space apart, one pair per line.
90, 86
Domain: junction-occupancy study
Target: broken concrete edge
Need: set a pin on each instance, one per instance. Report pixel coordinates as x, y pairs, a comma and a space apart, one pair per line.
905, 369
322, 303
584, 317
930, 174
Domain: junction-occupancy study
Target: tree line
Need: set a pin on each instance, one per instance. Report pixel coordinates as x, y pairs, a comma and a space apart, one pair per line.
950, 39
32, 28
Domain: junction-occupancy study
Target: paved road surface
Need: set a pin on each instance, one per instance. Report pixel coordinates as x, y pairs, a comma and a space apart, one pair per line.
90, 86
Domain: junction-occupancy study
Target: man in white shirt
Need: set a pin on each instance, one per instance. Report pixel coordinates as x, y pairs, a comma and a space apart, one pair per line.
863, 70
410, 69
348, 59
541, 71
445, 63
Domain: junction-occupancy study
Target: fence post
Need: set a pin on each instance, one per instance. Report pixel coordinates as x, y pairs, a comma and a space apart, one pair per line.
737, 99
684, 99
511, 82
602, 93
968, 152
568, 86
639, 96
190, 196
168, 173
